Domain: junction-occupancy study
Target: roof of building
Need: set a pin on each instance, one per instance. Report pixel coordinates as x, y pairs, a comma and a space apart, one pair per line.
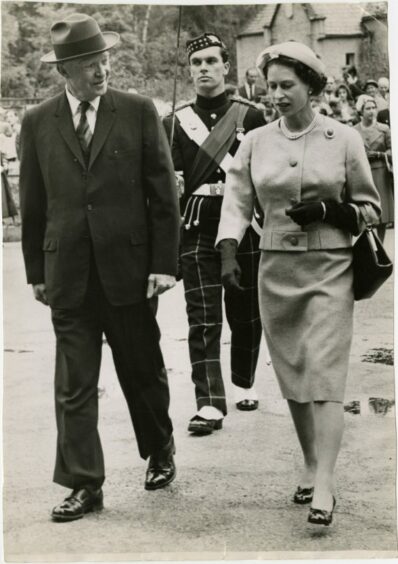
340, 19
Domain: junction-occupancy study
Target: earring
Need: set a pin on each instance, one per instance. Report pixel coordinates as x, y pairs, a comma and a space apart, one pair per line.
309, 91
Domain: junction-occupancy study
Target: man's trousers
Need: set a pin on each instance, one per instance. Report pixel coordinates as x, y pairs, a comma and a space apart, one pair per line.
133, 336
201, 271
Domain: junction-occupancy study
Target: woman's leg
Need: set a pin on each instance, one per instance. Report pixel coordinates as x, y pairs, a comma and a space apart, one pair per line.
329, 425
303, 418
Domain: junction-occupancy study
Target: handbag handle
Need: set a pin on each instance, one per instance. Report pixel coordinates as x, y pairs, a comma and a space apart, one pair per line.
388, 164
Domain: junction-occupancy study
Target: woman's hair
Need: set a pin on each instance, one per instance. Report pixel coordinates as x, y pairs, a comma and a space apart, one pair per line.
345, 87
315, 81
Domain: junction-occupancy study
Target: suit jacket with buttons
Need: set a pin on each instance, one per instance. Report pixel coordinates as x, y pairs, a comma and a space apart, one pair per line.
328, 163
122, 207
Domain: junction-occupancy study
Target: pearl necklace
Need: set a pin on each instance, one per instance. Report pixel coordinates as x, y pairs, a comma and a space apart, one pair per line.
296, 134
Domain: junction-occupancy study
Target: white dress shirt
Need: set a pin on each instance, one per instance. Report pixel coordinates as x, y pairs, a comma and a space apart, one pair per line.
91, 112
249, 90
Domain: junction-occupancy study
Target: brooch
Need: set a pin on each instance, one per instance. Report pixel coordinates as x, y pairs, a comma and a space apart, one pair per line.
329, 133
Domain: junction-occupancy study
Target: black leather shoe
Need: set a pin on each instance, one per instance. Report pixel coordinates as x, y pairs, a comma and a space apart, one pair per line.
161, 469
200, 426
321, 516
76, 505
247, 405
303, 495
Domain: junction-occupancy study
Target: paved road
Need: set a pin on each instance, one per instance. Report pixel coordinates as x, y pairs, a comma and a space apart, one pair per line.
232, 495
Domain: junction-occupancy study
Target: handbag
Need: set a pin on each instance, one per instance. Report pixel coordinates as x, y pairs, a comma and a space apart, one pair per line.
372, 266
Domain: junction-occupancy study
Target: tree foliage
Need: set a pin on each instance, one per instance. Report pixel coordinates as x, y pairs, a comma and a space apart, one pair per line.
144, 59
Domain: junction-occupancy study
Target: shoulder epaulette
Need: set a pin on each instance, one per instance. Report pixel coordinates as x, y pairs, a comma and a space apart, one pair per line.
180, 107
241, 100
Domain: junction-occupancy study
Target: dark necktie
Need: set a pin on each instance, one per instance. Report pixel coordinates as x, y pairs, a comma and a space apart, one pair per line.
83, 130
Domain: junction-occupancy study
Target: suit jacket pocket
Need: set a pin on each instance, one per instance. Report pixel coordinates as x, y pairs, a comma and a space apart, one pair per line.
50, 245
126, 152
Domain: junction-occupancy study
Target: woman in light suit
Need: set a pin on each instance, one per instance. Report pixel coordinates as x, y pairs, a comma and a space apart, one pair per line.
377, 139
313, 181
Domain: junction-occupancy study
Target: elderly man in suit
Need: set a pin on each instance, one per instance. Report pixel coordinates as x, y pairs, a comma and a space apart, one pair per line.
249, 90
100, 226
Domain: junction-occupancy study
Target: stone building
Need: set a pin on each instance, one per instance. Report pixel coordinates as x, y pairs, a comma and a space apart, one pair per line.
341, 34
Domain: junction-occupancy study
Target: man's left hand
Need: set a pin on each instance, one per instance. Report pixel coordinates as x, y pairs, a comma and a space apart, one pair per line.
159, 283
303, 213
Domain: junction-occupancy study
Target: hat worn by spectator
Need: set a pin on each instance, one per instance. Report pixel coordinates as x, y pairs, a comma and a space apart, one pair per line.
362, 100
202, 42
371, 81
293, 50
78, 35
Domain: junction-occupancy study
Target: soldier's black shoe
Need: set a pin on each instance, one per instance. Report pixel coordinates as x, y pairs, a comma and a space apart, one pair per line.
200, 426
247, 405
76, 505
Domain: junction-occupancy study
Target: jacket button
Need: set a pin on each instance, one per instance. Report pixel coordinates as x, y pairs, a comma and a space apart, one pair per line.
294, 241
89, 207
293, 163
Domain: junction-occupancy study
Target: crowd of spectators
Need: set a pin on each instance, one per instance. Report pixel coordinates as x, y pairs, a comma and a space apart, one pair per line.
9, 147
341, 99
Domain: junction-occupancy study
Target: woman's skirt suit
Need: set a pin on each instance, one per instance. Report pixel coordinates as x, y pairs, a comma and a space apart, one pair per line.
378, 138
305, 274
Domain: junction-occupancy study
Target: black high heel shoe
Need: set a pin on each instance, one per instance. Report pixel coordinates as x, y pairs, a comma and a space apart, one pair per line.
321, 516
303, 495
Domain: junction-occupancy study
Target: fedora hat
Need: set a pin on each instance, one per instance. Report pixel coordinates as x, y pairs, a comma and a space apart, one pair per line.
78, 35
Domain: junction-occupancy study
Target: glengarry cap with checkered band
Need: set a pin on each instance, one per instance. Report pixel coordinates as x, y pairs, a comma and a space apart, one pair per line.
293, 50
202, 42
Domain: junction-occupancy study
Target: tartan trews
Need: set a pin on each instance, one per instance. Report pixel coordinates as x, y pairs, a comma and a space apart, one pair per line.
201, 270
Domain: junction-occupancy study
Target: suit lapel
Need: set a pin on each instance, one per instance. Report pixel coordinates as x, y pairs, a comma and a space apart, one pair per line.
105, 119
65, 125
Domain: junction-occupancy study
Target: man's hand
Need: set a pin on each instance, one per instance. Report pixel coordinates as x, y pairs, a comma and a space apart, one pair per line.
159, 283
304, 213
40, 293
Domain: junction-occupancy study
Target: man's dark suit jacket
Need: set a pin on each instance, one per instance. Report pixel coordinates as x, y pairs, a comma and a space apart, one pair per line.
122, 207
258, 92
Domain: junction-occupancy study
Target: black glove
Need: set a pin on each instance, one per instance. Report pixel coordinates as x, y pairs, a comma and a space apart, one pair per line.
342, 215
230, 269
303, 213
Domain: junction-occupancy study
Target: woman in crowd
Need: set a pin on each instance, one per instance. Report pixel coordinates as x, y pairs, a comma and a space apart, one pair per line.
372, 89
346, 105
313, 181
377, 139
